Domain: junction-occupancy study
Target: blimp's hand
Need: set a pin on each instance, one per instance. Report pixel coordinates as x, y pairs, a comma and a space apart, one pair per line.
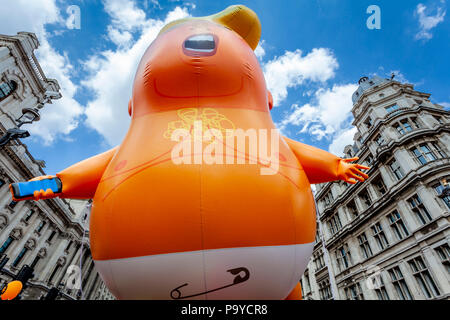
351, 172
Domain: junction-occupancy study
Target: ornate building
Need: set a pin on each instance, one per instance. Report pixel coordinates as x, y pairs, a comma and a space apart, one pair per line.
50, 236
387, 238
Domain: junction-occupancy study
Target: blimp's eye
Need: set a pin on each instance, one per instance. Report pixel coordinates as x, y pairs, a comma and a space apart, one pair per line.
202, 43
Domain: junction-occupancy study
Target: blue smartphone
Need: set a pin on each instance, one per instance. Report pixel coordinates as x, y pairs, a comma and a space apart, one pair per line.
21, 190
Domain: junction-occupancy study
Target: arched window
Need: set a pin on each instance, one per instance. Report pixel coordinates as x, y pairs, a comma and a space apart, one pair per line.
6, 88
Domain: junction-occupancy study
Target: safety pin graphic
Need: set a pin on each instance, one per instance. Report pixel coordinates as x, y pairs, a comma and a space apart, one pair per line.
176, 293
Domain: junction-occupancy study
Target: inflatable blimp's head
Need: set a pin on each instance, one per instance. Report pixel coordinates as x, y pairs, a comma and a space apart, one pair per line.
202, 61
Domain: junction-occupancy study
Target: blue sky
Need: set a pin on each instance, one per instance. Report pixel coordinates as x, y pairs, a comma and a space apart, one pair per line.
312, 51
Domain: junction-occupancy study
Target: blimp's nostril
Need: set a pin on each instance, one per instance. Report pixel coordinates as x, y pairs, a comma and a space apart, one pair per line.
201, 44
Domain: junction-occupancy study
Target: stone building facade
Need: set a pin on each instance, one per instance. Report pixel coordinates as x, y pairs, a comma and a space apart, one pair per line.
387, 238
51, 236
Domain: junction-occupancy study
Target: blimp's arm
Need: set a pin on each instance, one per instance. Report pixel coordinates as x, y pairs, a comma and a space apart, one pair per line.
321, 166
79, 181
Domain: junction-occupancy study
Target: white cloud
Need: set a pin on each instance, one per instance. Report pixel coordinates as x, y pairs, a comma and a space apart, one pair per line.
292, 69
260, 52
341, 140
32, 16
326, 115
111, 76
428, 22
125, 15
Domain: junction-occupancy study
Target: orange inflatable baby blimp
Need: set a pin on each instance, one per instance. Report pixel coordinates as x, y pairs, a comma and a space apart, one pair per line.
203, 199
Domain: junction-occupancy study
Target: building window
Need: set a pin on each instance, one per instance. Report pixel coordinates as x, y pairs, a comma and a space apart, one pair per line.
444, 255
392, 108
2, 182
399, 129
40, 226
400, 284
351, 207
439, 150
35, 261
325, 290
419, 208
354, 292
406, 125
6, 244
364, 195
423, 278
380, 288
398, 225
334, 224
308, 283
69, 245
365, 246
328, 198
379, 140
438, 119
55, 270
343, 257
7, 88
416, 123
20, 256
12, 204
423, 154
28, 215
368, 122
396, 169
51, 236
439, 188
319, 260
379, 236
379, 186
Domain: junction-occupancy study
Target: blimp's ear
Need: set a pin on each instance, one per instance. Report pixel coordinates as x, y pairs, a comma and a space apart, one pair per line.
241, 20
130, 108
270, 99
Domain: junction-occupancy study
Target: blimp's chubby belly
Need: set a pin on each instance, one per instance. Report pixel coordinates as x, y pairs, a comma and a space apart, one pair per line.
153, 218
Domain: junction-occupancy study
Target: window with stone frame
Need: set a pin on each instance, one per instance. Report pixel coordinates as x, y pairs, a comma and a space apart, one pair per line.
28, 215
423, 277
379, 140
365, 198
343, 257
392, 108
439, 119
423, 153
325, 289
7, 88
396, 169
399, 283
443, 252
354, 292
319, 261
380, 237
380, 287
416, 123
6, 244
328, 198
397, 225
20, 256
436, 146
403, 127
307, 283
351, 207
419, 209
368, 122
444, 197
364, 245
40, 226
2, 182
379, 186
334, 224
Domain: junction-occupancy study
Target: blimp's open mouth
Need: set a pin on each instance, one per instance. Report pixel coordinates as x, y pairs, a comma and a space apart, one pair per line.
200, 45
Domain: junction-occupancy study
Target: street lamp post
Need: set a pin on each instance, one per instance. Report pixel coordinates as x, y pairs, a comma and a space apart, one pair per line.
28, 116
